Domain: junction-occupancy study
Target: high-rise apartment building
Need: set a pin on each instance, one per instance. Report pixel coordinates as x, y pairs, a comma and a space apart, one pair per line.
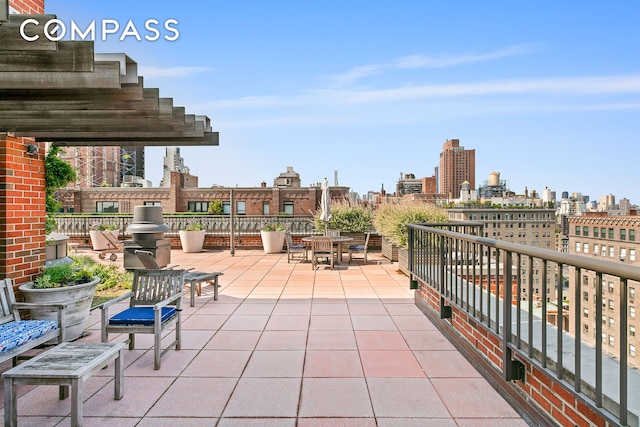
457, 165
610, 238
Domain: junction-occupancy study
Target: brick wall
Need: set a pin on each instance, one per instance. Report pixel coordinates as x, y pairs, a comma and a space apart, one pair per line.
22, 209
539, 387
28, 6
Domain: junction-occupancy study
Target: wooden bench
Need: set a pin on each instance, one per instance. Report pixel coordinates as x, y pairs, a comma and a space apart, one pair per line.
18, 336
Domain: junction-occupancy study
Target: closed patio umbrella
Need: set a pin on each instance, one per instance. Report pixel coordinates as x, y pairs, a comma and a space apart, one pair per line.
325, 205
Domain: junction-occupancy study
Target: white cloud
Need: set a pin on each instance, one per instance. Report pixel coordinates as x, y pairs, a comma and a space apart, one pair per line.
418, 61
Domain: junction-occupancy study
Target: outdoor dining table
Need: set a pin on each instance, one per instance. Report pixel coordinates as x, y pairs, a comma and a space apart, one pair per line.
336, 240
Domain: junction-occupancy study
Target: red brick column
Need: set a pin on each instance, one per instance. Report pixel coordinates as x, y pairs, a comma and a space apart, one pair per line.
22, 209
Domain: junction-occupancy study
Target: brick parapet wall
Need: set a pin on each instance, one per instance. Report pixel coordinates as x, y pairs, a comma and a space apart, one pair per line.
28, 6
548, 394
22, 209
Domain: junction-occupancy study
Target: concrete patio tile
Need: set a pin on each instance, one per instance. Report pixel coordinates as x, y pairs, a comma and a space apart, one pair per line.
330, 309
234, 340
406, 398
89, 421
284, 309
217, 307
337, 422
196, 339
204, 321
282, 340
416, 422
426, 340
172, 422
390, 364
218, 363
380, 340
375, 323
140, 394
178, 401
264, 397
331, 340
275, 364
472, 398
444, 363
366, 308
401, 309
412, 323
330, 323
335, 397
288, 323
333, 364
245, 323
257, 422
491, 422
258, 308
172, 363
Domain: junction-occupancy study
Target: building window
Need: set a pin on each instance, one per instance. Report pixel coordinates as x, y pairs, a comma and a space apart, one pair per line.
610, 287
586, 248
632, 254
611, 340
603, 232
578, 246
151, 203
595, 249
632, 292
288, 208
107, 207
632, 312
612, 251
577, 230
611, 322
585, 296
632, 331
632, 235
604, 337
632, 350
585, 328
611, 304
604, 250
585, 312
595, 231
623, 234
265, 208
611, 233
585, 231
197, 206
226, 208
623, 253
241, 208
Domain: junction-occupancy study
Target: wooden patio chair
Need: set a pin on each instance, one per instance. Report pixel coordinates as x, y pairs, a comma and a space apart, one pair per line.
321, 248
359, 249
155, 304
295, 248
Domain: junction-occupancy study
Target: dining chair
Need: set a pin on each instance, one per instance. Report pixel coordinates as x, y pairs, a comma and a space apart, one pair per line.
295, 248
359, 248
321, 248
155, 304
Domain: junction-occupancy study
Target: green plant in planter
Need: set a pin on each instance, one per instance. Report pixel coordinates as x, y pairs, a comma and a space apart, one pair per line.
347, 216
104, 227
194, 226
62, 275
390, 219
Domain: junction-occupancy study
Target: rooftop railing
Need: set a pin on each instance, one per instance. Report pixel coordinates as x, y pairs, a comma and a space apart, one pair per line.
486, 286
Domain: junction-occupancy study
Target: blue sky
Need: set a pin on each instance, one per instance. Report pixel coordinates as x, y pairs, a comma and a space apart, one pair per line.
546, 92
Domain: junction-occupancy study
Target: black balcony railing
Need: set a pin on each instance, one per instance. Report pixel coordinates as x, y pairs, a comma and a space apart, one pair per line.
493, 284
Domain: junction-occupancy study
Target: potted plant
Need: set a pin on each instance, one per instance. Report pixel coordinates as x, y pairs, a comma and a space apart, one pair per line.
99, 239
273, 236
390, 219
352, 219
192, 237
71, 284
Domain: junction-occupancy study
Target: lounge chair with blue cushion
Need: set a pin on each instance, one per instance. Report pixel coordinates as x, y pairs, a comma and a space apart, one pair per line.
155, 304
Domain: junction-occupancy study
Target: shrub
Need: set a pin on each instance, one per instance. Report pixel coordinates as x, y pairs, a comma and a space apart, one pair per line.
390, 219
347, 216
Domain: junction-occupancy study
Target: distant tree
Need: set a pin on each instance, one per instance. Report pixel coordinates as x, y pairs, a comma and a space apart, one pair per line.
215, 207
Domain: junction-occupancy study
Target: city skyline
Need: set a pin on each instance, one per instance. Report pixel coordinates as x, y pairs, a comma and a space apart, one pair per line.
547, 95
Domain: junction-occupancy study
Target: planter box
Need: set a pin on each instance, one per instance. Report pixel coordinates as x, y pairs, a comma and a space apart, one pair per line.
272, 241
77, 297
100, 242
403, 260
389, 250
192, 241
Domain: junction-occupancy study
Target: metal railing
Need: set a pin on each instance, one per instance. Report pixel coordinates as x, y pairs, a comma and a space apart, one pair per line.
493, 282
216, 225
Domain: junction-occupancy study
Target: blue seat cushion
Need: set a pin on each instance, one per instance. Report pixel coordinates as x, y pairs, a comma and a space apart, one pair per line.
357, 247
298, 246
140, 316
15, 334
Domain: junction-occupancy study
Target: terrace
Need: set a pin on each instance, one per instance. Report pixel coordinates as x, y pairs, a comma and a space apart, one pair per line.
289, 346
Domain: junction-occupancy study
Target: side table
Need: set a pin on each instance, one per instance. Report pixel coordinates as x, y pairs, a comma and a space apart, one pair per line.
195, 280
67, 364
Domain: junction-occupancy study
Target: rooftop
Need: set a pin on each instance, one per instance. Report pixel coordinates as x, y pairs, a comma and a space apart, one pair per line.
285, 345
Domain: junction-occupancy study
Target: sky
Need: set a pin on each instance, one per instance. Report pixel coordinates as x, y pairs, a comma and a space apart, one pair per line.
546, 92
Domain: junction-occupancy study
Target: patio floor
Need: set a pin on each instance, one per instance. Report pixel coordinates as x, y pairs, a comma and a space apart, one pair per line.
285, 345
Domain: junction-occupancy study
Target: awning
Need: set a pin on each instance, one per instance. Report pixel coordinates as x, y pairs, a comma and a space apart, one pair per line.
64, 93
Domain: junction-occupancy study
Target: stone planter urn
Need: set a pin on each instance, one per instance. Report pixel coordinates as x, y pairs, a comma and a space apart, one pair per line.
99, 242
192, 240
77, 297
272, 241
